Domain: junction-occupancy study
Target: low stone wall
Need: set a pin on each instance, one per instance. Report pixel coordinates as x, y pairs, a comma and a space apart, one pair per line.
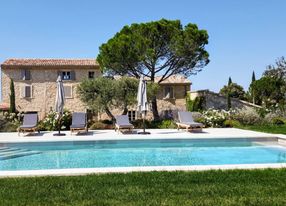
217, 101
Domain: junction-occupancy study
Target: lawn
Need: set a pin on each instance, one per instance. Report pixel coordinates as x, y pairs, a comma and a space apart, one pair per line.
236, 187
274, 129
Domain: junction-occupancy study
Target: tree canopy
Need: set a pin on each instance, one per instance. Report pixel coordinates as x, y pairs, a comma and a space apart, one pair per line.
159, 48
233, 90
103, 94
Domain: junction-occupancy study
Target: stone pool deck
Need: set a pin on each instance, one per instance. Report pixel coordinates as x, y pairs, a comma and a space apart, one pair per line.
209, 133
155, 134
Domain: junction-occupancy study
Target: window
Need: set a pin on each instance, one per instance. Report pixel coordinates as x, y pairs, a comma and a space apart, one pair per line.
169, 92
132, 115
27, 91
25, 74
91, 75
67, 75
68, 91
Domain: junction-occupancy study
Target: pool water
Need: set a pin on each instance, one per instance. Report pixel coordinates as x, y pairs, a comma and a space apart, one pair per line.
128, 153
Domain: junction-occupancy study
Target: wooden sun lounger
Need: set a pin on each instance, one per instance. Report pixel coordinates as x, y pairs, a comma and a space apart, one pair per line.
122, 123
79, 122
186, 122
29, 125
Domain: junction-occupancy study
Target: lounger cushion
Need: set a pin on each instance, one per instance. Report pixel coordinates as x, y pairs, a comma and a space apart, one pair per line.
185, 117
126, 125
78, 126
123, 121
27, 126
30, 120
193, 124
79, 118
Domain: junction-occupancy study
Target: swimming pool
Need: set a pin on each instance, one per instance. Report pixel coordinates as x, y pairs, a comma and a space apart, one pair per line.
139, 153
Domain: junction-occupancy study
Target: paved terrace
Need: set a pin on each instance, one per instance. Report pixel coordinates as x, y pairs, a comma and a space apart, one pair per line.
155, 134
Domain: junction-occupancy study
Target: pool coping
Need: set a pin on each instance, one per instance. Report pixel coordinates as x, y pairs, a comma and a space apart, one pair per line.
90, 171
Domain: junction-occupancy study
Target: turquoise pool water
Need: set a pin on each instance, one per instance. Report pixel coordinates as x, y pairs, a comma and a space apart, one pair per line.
123, 153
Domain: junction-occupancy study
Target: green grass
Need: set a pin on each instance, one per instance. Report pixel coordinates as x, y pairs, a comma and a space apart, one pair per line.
237, 187
274, 129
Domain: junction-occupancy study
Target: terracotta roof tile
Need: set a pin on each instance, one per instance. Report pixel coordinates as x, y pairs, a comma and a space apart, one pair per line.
174, 79
50, 62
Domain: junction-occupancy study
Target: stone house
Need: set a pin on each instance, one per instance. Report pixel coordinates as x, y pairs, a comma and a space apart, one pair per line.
35, 85
35, 82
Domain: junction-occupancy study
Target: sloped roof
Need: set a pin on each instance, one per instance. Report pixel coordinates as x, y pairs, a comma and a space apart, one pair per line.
174, 79
50, 62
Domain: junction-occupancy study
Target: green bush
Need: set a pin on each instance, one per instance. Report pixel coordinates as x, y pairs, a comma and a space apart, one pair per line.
98, 125
196, 104
278, 121
231, 123
50, 122
167, 124
9, 127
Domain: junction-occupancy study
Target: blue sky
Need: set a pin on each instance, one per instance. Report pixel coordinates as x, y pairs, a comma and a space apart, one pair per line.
244, 35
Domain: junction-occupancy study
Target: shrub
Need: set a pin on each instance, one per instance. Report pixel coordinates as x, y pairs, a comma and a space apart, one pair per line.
196, 104
247, 116
278, 121
14, 117
98, 125
9, 127
215, 118
231, 123
50, 122
167, 124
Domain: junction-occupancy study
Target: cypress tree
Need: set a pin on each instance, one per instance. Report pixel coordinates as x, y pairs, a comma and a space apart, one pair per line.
253, 77
252, 92
12, 108
228, 98
229, 81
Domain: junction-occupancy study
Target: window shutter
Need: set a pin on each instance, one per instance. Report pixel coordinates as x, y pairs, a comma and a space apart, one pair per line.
72, 75
68, 91
23, 91
28, 91
27, 74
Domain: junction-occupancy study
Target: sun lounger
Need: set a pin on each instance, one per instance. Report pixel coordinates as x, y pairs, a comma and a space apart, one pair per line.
122, 123
79, 122
187, 122
29, 125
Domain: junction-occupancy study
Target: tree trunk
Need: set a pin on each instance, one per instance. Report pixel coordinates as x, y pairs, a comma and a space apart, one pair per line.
108, 112
125, 110
155, 108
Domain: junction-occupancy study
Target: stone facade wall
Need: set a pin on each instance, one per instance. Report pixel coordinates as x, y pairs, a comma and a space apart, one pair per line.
43, 82
217, 101
165, 106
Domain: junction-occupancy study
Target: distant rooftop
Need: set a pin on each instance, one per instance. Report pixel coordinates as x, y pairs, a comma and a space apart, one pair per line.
174, 79
50, 62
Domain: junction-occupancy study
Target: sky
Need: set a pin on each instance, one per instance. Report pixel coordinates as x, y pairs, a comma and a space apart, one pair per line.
244, 35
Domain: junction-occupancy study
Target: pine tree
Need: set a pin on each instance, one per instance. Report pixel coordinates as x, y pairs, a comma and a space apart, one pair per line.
12, 108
